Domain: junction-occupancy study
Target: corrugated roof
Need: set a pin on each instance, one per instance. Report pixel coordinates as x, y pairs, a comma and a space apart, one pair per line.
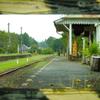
77, 21
93, 16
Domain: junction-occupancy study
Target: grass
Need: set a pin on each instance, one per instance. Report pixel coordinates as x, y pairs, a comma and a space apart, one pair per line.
13, 54
19, 77
16, 63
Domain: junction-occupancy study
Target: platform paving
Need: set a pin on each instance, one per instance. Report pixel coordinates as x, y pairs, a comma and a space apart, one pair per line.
60, 73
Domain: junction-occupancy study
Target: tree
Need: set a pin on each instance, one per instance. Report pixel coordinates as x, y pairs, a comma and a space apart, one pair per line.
33, 45
9, 42
50, 41
14, 42
25, 39
46, 51
43, 44
32, 41
58, 45
3, 41
53, 43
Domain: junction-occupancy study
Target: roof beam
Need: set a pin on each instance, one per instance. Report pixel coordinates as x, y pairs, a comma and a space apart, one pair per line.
66, 27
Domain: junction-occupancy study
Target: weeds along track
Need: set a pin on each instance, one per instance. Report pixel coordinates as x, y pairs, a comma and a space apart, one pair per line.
26, 65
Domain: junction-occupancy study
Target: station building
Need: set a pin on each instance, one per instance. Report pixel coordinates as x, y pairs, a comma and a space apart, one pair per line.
84, 25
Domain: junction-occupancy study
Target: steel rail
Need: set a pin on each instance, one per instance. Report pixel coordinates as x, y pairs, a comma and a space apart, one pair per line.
24, 66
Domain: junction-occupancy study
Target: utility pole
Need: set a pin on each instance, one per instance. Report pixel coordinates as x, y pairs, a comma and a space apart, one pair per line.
8, 27
19, 47
21, 39
9, 39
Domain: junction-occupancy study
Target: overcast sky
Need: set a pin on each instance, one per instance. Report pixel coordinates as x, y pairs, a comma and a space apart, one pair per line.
40, 27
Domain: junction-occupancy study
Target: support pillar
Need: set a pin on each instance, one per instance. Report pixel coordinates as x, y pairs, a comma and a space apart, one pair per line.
70, 39
98, 33
67, 46
83, 56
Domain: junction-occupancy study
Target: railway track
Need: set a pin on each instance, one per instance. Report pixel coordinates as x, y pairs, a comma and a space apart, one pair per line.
27, 65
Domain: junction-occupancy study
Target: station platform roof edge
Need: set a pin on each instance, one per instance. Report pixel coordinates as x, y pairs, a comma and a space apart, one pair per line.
76, 19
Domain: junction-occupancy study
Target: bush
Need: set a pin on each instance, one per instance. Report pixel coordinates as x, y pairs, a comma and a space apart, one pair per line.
86, 52
2, 50
94, 49
46, 51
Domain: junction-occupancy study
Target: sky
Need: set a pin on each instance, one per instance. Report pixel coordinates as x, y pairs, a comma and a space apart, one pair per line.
40, 27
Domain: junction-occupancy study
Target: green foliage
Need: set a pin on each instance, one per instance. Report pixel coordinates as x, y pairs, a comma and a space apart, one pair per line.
2, 50
50, 41
3, 41
58, 45
64, 40
30, 42
25, 39
33, 48
9, 42
43, 44
12, 64
86, 42
53, 44
13, 43
79, 42
94, 49
46, 51
86, 52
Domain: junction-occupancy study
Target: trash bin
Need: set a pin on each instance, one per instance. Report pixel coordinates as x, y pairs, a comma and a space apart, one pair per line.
95, 63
